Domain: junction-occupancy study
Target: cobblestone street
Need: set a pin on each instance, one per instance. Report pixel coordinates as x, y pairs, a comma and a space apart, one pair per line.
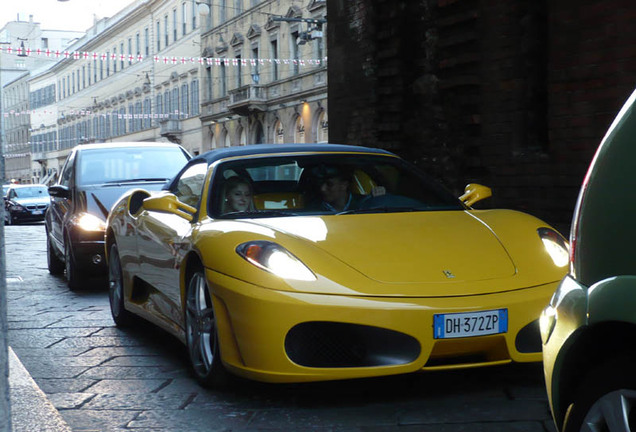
101, 378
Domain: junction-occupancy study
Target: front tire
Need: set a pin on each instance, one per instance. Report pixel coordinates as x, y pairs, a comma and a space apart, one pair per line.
202, 335
606, 399
121, 316
54, 263
73, 275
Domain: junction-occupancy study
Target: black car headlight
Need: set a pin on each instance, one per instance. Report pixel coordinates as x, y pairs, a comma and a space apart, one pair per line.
89, 222
275, 259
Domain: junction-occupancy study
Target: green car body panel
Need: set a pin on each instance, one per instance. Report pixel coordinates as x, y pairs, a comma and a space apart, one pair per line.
592, 315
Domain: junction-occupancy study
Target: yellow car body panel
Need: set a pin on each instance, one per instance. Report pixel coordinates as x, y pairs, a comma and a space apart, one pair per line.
259, 319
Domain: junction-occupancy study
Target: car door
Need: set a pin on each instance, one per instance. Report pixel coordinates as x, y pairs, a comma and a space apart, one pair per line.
163, 239
61, 202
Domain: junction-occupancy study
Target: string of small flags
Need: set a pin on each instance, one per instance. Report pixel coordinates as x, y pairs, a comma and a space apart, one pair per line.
208, 61
88, 113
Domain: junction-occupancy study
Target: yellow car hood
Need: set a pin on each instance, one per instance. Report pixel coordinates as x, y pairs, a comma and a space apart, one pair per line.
424, 247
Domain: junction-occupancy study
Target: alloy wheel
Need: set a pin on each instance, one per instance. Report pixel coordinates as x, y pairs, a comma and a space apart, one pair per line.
200, 327
613, 412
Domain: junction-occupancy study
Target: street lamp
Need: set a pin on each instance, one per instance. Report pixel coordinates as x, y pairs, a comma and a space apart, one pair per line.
202, 6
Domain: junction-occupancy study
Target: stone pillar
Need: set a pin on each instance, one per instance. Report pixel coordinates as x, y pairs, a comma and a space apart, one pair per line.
5, 405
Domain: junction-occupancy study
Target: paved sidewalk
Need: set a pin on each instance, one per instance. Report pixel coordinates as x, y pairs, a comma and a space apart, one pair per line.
30, 409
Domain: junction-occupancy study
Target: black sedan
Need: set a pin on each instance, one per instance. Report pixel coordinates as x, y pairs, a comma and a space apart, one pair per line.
93, 177
25, 203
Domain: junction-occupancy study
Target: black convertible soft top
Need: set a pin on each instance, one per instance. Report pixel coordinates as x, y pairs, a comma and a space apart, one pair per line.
262, 149
259, 149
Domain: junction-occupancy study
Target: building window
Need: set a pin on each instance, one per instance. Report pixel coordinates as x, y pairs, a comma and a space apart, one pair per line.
184, 18
175, 102
165, 30
194, 91
147, 114
130, 51
131, 118
147, 41
255, 71
115, 60
158, 36
194, 15
158, 106
238, 6
167, 106
274, 53
239, 72
107, 63
223, 72
294, 52
185, 106
174, 25
222, 11
138, 44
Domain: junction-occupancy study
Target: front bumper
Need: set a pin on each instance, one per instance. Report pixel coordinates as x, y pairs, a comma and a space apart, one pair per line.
559, 322
262, 330
26, 215
88, 251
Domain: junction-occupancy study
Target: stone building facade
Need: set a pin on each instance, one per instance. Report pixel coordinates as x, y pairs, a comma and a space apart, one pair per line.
267, 79
514, 95
202, 74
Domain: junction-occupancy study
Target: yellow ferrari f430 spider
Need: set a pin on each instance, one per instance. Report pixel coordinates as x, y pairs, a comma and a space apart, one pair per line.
292, 263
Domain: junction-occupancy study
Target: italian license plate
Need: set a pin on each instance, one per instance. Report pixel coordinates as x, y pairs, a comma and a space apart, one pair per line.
470, 324
37, 212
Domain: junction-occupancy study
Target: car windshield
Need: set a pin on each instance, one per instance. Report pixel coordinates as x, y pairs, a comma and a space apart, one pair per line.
117, 165
31, 192
324, 184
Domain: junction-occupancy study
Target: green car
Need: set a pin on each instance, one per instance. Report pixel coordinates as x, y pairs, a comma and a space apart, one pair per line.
589, 328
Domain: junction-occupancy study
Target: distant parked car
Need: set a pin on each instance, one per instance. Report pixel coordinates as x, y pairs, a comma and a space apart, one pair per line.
25, 203
589, 327
93, 177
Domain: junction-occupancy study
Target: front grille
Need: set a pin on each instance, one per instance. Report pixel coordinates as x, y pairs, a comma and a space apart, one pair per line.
33, 207
332, 344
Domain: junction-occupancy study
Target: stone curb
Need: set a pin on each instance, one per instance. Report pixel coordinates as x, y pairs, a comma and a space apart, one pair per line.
30, 408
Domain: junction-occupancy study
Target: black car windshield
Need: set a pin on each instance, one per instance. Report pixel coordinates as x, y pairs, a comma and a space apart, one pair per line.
338, 184
114, 165
31, 192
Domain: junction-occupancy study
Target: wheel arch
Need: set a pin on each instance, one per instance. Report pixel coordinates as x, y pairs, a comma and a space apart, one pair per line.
589, 348
190, 264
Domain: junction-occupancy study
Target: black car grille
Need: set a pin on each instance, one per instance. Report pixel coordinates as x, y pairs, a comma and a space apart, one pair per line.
33, 207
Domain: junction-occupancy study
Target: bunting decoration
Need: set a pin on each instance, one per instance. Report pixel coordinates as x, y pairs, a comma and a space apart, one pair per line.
210, 61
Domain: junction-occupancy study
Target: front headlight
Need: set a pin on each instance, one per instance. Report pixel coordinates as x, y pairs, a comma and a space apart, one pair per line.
89, 222
275, 259
555, 245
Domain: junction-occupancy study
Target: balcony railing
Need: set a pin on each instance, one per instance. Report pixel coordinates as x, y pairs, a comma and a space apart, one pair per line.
247, 98
171, 129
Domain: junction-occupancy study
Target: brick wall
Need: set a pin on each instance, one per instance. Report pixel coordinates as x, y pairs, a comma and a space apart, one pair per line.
515, 95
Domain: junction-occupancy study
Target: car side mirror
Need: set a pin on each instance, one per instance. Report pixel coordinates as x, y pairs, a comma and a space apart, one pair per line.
59, 191
168, 203
475, 192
